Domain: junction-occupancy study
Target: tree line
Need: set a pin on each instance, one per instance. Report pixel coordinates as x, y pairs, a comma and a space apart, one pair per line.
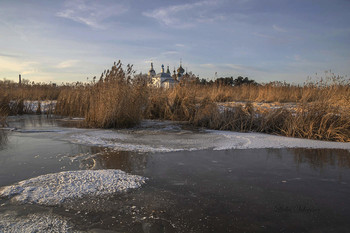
227, 81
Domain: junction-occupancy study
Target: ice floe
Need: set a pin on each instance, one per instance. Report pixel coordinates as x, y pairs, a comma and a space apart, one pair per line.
168, 137
236, 140
38, 222
54, 189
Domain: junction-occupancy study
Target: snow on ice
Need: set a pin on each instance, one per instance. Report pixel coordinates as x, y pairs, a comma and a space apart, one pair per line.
166, 138
54, 189
10, 222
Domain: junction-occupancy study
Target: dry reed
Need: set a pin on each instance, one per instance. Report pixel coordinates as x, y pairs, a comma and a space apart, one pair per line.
119, 99
113, 102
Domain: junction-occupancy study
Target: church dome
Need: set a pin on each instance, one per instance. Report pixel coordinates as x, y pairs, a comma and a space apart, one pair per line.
180, 70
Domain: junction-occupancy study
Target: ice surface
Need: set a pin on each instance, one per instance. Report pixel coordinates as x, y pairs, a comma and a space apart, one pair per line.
53, 189
153, 136
236, 140
10, 222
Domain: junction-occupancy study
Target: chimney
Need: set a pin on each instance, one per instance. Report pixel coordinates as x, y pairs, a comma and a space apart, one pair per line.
19, 79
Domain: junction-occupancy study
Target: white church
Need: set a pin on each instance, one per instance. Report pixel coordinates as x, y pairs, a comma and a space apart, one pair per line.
165, 79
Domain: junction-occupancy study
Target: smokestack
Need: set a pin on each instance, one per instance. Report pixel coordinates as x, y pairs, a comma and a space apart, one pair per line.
19, 79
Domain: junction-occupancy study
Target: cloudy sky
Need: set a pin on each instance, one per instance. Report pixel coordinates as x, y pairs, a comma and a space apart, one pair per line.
67, 41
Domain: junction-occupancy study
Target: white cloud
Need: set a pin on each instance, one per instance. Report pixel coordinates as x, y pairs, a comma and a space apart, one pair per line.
90, 13
208, 65
185, 15
180, 45
9, 64
67, 64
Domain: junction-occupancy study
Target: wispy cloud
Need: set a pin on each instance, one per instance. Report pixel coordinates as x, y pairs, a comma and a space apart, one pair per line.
180, 45
278, 28
90, 13
185, 15
262, 35
238, 67
233, 67
208, 65
8, 55
170, 52
11, 64
67, 64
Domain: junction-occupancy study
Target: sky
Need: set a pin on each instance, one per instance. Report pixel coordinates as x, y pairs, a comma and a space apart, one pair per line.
265, 40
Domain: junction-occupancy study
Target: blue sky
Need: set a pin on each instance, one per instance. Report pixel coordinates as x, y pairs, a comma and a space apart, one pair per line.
266, 40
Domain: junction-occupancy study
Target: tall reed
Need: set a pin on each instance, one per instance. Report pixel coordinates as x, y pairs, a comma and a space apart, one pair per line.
119, 99
114, 101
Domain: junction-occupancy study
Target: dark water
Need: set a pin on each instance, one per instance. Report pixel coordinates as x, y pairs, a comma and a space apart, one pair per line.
253, 190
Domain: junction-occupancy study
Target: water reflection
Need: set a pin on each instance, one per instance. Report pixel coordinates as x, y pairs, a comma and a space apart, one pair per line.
225, 191
134, 162
130, 162
31, 121
321, 158
3, 139
42, 121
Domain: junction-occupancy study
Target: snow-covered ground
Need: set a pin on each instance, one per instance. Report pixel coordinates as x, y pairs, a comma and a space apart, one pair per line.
258, 106
10, 222
156, 136
54, 189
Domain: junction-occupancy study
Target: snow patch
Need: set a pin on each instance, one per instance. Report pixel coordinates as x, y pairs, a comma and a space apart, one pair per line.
9, 222
169, 137
236, 140
54, 189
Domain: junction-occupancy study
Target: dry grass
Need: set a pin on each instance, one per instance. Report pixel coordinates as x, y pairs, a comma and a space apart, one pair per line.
178, 103
319, 120
336, 93
113, 102
119, 99
321, 112
30, 91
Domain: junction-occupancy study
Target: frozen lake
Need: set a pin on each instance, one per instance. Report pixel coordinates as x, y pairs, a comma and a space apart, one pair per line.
168, 177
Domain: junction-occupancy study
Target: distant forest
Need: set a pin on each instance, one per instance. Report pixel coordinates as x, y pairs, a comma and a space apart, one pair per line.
228, 81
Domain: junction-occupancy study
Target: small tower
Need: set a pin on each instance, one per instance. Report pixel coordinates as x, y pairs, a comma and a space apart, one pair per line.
168, 71
151, 72
174, 74
19, 79
162, 71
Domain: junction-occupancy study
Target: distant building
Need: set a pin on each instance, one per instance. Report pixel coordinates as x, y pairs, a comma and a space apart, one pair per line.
165, 79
